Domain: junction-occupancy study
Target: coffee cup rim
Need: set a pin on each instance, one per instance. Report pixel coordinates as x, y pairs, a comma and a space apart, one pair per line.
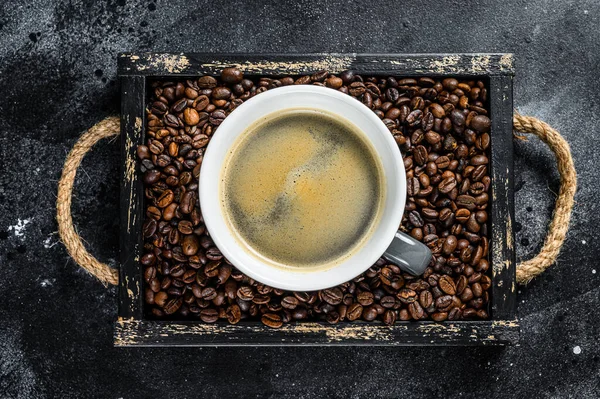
330, 101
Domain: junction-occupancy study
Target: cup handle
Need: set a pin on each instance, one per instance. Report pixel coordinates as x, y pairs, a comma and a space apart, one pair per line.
410, 255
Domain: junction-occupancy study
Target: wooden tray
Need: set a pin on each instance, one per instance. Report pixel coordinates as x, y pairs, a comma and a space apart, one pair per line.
132, 329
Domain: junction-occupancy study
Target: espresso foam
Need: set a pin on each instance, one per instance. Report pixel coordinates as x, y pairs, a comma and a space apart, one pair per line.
302, 188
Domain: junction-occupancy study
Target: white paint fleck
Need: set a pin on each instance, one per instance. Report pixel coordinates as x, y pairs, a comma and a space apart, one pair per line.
48, 242
46, 283
593, 271
19, 228
583, 242
577, 350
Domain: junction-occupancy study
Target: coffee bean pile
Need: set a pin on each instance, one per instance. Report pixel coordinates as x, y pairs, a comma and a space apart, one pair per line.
442, 129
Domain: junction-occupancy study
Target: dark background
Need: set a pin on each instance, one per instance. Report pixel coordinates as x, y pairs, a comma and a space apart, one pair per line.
58, 77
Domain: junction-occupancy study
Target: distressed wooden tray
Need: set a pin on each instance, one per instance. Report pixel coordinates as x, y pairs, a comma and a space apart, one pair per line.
132, 329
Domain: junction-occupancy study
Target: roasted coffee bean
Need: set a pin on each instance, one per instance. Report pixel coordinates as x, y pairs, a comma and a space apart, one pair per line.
357, 89
414, 118
387, 301
332, 296
449, 245
289, 302
172, 305
261, 299
466, 201
272, 320
413, 186
191, 117
454, 314
185, 227
444, 302
369, 313
406, 295
447, 285
189, 245
234, 314
232, 75
354, 311
389, 317
403, 315
209, 315
207, 82
213, 253
476, 289
208, 294
426, 299
466, 295
165, 199
245, 293
481, 123
447, 185
160, 298
223, 273
461, 285
416, 311
439, 316
415, 219
365, 298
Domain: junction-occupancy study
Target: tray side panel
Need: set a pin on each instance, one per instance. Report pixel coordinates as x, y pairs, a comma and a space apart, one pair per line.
133, 89
502, 192
153, 333
171, 64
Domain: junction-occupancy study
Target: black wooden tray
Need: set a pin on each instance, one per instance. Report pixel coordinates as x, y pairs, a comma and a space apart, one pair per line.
132, 329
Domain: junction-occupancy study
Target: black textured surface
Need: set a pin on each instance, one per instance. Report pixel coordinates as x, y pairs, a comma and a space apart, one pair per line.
57, 74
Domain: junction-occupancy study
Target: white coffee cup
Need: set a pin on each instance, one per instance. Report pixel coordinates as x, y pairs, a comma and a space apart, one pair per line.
408, 253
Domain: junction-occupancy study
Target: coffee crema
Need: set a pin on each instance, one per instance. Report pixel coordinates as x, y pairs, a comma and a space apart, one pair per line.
302, 188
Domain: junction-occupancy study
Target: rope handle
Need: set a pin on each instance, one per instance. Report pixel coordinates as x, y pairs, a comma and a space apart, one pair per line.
105, 128
526, 271
563, 208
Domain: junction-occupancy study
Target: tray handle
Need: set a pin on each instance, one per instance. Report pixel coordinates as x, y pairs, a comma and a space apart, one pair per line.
106, 128
526, 270
563, 208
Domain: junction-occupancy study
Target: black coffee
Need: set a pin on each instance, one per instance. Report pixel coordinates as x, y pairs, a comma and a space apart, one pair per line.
302, 188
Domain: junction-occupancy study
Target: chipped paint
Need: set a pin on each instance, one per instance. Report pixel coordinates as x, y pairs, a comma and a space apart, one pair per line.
366, 332
437, 327
447, 64
480, 63
130, 169
509, 233
133, 295
331, 63
506, 61
505, 323
172, 63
